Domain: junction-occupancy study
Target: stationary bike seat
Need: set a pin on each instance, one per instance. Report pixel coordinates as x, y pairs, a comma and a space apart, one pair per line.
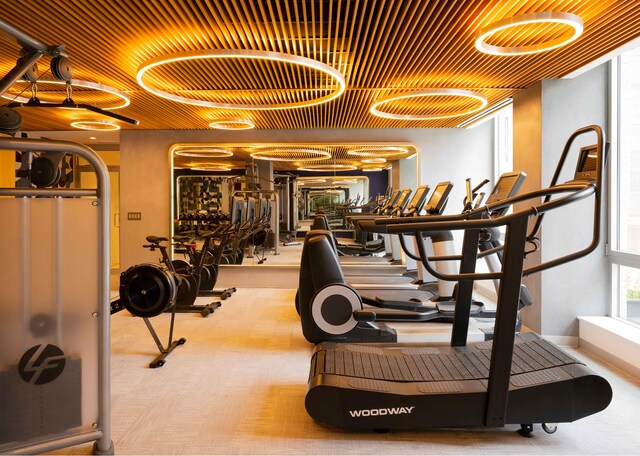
179, 238
156, 239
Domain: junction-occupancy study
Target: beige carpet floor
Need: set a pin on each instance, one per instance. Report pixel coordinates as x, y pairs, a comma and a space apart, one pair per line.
237, 387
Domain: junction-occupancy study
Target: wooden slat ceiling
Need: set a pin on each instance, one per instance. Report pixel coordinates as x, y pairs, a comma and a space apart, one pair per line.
339, 154
381, 48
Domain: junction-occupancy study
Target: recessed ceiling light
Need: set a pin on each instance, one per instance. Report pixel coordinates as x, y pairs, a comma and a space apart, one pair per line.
461, 93
547, 17
96, 125
370, 170
374, 160
92, 137
209, 54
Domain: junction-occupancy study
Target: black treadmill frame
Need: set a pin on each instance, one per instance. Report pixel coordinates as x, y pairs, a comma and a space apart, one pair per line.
513, 269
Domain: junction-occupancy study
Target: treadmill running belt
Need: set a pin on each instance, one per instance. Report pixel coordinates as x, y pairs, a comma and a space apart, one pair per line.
431, 364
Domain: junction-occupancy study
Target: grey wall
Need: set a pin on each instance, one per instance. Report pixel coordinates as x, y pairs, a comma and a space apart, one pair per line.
544, 117
445, 154
455, 155
408, 173
581, 287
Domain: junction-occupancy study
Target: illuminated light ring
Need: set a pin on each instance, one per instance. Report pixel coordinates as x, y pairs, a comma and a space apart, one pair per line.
233, 124
319, 155
572, 20
381, 151
328, 168
96, 125
203, 152
242, 54
211, 168
429, 93
374, 160
126, 101
370, 170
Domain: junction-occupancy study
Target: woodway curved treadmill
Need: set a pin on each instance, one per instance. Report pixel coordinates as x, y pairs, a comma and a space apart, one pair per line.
514, 379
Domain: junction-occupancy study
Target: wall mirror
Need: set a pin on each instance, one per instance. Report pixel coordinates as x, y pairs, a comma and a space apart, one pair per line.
287, 183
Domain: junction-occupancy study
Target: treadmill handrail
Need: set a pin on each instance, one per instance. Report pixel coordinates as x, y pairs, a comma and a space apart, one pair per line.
578, 192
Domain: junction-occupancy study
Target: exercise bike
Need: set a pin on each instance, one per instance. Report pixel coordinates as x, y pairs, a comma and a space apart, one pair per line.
207, 273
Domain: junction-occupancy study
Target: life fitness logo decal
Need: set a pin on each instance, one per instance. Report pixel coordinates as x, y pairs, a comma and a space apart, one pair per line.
41, 364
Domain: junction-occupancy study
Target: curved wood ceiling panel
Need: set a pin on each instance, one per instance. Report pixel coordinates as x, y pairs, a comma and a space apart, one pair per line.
381, 48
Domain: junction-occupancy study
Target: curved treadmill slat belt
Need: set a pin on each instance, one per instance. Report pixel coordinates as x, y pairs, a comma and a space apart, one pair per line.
429, 364
387, 387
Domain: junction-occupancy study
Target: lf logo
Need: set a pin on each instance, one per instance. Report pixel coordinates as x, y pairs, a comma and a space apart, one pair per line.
41, 364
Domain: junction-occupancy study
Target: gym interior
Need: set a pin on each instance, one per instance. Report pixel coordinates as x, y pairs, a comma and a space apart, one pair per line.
329, 227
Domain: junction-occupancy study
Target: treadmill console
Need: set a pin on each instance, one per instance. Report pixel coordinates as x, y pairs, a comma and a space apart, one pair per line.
587, 163
403, 200
418, 198
439, 198
393, 199
506, 187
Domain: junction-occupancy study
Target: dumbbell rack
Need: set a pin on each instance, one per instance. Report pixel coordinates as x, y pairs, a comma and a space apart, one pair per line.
199, 202
52, 328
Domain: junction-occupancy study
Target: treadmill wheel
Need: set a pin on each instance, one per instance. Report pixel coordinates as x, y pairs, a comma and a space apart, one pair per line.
550, 428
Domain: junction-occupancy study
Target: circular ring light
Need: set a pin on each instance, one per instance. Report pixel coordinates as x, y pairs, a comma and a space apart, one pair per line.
96, 125
303, 155
374, 160
211, 168
379, 151
233, 124
548, 17
371, 170
124, 98
329, 167
203, 152
241, 54
429, 93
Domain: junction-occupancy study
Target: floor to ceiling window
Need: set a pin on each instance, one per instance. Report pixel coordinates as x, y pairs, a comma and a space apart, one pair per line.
625, 195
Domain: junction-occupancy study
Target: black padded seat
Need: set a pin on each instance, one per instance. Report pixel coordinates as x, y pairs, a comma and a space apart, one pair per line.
156, 239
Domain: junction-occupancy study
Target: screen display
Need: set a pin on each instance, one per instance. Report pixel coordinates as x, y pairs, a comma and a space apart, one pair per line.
436, 196
588, 160
418, 196
503, 188
402, 201
392, 200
